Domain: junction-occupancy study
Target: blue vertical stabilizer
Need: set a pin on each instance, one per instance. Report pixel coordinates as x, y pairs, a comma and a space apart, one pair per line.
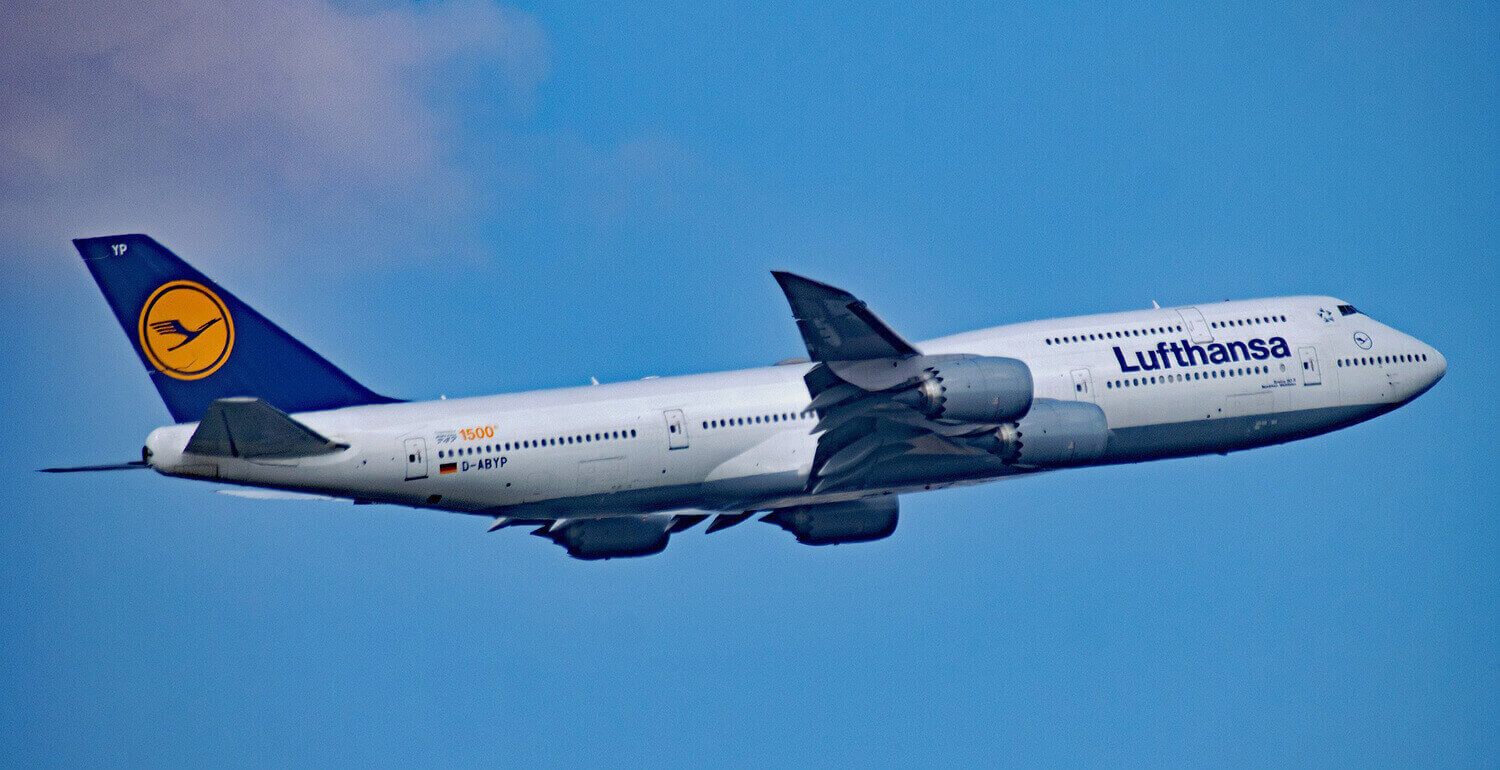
201, 343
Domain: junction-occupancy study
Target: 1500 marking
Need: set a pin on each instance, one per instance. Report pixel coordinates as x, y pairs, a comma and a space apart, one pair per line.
474, 434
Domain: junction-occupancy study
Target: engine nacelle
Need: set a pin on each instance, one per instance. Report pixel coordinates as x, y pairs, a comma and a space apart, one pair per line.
1053, 434
612, 537
854, 521
980, 389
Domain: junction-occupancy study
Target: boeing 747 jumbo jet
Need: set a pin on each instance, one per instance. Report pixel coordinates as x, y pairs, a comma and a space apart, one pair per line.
823, 445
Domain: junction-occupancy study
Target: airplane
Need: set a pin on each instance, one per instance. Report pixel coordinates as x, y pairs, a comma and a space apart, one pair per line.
823, 446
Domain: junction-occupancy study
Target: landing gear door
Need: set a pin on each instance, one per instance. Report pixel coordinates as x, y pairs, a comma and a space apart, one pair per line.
416, 459
1311, 375
1197, 328
1083, 385
677, 437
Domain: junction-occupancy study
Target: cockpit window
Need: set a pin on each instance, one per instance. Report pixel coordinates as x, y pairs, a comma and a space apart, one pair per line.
1347, 309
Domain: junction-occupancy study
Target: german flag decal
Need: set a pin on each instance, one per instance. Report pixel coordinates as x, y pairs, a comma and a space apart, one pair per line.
448, 468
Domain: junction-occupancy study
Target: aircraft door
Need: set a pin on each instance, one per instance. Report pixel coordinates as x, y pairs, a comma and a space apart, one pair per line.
677, 437
416, 459
1083, 385
1311, 375
1197, 328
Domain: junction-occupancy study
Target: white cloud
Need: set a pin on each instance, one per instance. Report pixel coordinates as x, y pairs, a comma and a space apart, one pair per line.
211, 122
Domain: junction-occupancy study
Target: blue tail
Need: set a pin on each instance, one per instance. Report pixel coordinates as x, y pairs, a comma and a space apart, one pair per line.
200, 343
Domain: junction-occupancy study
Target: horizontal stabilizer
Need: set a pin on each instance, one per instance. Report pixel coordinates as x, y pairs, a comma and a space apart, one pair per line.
254, 430
130, 466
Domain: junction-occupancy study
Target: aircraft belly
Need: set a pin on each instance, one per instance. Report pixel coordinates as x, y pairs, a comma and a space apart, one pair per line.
1224, 434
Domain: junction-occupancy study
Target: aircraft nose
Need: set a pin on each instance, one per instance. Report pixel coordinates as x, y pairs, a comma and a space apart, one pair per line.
1438, 365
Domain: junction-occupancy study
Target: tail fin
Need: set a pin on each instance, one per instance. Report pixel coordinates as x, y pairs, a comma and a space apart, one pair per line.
200, 343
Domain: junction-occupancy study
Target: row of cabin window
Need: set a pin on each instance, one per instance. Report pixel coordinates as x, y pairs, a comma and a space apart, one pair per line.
1112, 335
1212, 374
730, 422
1248, 321
1404, 358
535, 443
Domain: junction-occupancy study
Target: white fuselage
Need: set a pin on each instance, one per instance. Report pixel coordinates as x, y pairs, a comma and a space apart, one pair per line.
743, 440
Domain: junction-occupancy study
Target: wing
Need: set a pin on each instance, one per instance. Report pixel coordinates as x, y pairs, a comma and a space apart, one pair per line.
836, 325
867, 390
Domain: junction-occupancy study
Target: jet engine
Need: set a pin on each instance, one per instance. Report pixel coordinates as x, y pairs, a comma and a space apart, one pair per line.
854, 521
1053, 434
611, 537
978, 389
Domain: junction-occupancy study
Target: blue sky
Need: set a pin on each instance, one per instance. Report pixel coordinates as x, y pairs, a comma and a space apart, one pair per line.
466, 198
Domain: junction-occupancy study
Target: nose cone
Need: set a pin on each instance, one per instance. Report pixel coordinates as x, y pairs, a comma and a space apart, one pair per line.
1430, 370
